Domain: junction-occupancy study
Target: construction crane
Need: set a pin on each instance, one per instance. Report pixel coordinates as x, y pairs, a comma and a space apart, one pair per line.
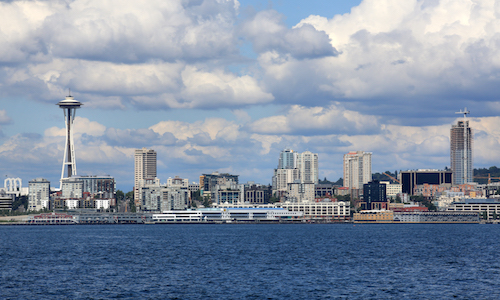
489, 178
392, 178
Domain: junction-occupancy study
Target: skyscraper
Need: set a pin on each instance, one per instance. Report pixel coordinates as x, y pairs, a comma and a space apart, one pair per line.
69, 105
357, 169
307, 163
461, 141
295, 167
287, 159
145, 167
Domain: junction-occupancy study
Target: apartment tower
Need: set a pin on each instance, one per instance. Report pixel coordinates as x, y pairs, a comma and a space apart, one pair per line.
357, 169
145, 167
307, 163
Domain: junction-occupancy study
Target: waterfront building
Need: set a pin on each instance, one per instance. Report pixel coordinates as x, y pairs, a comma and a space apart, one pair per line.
461, 144
307, 163
327, 211
69, 105
39, 194
144, 167
374, 215
488, 208
387, 216
357, 169
51, 218
411, 179
230, 214
436, 217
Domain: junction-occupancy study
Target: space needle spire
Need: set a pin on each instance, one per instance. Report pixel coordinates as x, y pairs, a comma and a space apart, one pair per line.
69, 106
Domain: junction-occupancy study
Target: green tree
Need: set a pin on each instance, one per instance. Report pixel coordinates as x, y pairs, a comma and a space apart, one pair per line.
274, 199
119, 195
20, 201
129, 195
207, 202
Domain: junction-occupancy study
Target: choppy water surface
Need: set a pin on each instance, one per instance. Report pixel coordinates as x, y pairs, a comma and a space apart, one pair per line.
253, 261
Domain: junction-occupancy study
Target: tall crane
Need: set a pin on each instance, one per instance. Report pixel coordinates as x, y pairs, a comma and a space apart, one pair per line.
392, 178
489, 178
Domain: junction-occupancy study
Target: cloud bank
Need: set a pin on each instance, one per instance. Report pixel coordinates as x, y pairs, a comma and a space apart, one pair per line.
386, 77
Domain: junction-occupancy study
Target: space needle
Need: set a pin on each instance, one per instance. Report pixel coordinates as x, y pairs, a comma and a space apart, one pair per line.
69, 105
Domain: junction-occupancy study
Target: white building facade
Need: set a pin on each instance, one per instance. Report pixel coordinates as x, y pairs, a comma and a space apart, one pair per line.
307, 163
357, 169
299, 192
39, 194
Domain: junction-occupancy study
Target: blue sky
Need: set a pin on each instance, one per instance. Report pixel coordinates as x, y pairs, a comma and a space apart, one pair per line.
224, 85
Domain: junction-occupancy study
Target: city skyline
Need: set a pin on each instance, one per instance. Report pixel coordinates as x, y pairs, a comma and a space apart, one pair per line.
227, 86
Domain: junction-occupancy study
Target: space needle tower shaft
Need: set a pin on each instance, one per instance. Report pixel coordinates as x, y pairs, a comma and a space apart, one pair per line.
69, 106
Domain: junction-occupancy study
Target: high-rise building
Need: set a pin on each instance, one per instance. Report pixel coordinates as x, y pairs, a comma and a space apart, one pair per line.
144, 168
357, 169
307, 163
287, 159
461, 142
375, 195
295, 167
209, 181
69, 105
282, 177
39, 194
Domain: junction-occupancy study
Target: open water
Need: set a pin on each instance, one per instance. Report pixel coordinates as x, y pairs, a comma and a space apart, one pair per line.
251, 261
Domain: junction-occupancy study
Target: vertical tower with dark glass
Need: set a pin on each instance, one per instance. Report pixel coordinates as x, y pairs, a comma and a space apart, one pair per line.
461, 142
69, 106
